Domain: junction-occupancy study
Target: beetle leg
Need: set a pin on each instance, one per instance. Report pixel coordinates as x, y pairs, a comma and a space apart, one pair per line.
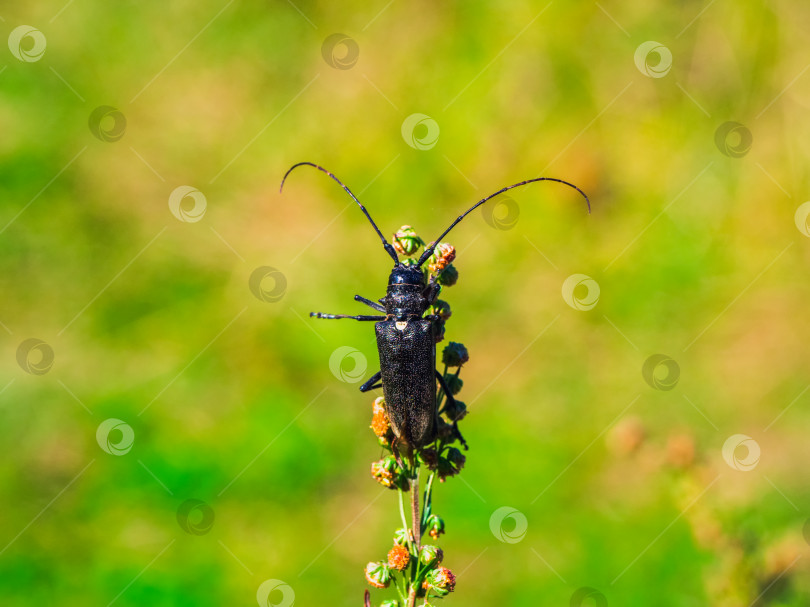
369, 385
369, 303
442, 383
450, 398
334, 316
431, 292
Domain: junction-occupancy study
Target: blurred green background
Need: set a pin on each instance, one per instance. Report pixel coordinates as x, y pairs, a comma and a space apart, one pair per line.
230, 400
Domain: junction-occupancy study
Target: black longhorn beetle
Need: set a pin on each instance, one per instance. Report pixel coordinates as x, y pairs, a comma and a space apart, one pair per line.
406, 337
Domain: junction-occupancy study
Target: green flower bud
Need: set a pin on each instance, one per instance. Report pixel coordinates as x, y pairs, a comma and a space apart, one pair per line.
454, 383
455, 410
378, 575
449, 276
431, 555
406, 242
455, 355
402, 536
434, 526
441, 309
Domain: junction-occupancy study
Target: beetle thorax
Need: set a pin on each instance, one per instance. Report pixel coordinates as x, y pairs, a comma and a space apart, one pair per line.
405, 297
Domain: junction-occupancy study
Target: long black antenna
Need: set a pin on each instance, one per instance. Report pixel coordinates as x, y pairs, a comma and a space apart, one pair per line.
429, 250
388, 247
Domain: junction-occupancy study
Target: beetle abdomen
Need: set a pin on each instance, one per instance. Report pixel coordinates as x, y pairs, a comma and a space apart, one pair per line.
408, 367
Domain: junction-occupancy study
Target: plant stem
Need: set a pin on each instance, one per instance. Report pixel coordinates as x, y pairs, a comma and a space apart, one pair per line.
402, 511
416, 519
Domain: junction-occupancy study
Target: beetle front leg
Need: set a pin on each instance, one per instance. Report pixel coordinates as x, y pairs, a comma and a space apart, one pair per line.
369, 385
369, 303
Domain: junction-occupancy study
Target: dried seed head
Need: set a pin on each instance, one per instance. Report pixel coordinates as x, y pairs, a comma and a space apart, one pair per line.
406, 242
451, 464
449, 276
378, 575
445, 431
430, 457
443, 256
399, 557
441, 581
455, 354
455, 410
440, 333
380, 423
